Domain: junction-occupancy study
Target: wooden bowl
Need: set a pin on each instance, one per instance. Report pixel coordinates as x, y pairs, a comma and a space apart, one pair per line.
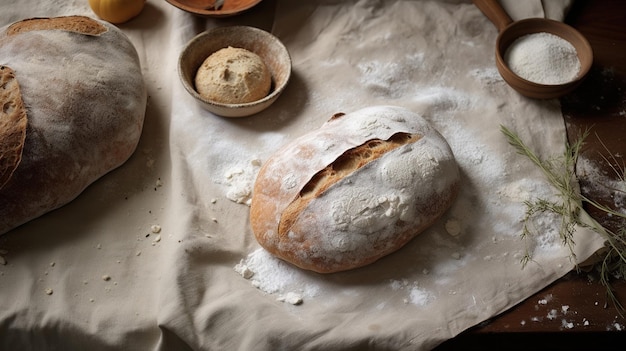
268, 47
204, 7
540, 25
510, 31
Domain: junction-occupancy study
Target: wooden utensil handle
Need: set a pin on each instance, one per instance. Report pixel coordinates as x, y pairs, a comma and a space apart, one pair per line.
495, 12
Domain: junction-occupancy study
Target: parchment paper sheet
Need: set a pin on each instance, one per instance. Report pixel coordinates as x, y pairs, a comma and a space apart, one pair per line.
143, 260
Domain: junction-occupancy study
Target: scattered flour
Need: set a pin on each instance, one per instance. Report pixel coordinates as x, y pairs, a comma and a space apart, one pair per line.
487, 76
419, 297
566, 324
274, 276
593, 180
291, 298
416, 295
389, 78
243, 270
240, 181
453, 227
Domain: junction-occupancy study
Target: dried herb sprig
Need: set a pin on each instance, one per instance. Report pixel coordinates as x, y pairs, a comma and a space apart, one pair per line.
560, 172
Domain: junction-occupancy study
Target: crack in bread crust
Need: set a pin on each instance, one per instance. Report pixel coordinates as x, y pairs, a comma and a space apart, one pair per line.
13, 122
343, 166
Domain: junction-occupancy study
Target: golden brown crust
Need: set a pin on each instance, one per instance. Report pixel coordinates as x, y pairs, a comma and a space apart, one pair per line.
13, 122
79, 24
353, 191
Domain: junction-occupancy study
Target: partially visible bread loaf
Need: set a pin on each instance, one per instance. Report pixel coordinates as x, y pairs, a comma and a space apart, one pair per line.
358, 188
84, 102
233, 76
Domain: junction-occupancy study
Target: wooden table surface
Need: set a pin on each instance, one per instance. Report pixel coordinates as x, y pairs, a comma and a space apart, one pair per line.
575, 313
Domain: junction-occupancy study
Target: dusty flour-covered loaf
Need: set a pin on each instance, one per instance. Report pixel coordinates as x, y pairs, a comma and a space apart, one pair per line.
358, 188
73, 102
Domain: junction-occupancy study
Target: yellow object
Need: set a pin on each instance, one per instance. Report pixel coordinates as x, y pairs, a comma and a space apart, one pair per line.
117, 11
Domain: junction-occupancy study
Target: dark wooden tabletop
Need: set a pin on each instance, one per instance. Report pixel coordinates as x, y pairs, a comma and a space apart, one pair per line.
575, 313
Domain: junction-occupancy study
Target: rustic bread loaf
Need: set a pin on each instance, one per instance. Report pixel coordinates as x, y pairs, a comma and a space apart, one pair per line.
356, 189
74, 100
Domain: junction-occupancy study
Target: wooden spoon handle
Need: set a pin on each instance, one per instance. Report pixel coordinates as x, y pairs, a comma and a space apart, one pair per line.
494, 11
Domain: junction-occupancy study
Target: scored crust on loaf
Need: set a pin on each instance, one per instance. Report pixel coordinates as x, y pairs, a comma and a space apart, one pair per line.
354, 190
78, 24
344, 165
13, 121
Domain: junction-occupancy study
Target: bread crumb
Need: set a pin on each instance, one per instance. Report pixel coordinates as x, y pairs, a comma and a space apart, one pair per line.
157, 239
138, 253
106, 277
566, 324
453, 227
155, 229
292, 298
552, 314
49, 291
243, 270
52, 264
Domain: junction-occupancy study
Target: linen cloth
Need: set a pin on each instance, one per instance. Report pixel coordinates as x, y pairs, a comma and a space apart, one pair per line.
144, 259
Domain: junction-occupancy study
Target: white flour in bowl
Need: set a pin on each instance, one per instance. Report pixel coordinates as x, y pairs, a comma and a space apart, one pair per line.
543, 58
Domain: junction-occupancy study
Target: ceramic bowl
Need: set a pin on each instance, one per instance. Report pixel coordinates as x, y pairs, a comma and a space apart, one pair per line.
205, 7
268, 47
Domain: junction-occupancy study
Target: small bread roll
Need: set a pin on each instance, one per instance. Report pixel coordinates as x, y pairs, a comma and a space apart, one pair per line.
233, 76
358, 188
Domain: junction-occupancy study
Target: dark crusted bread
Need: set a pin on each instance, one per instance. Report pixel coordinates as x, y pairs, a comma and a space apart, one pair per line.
84, 102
